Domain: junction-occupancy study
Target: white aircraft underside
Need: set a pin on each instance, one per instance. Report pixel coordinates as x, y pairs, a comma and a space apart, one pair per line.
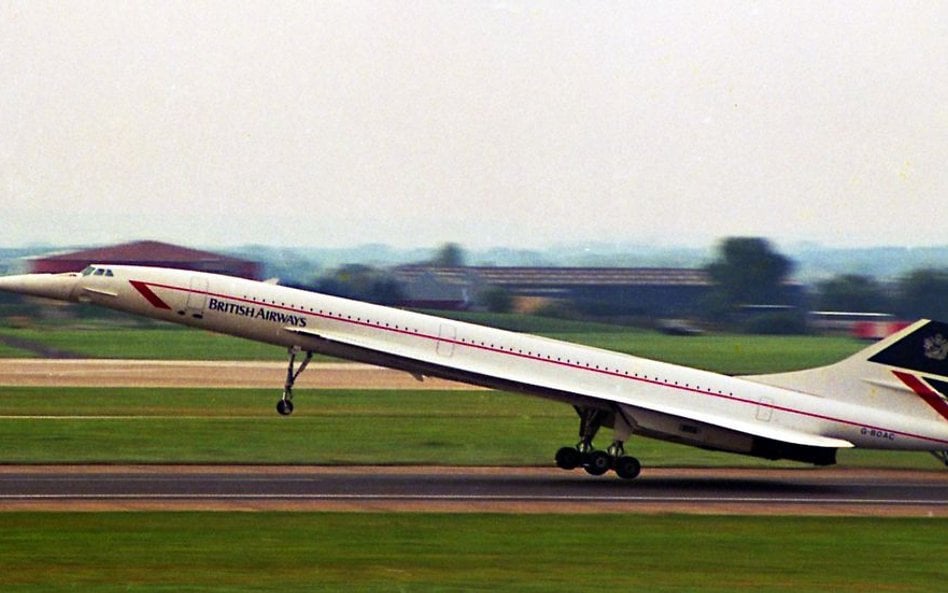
889, 396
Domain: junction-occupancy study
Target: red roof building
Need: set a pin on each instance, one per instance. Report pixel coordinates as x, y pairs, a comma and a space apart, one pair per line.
148, 253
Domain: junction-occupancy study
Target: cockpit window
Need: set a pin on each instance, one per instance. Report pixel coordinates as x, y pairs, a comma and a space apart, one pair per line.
94, 271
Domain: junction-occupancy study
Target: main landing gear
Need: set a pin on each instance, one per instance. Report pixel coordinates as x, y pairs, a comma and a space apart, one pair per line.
285, 405
596, 462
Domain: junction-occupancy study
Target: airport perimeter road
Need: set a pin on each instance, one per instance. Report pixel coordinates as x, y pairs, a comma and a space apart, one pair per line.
226, 374
813, 492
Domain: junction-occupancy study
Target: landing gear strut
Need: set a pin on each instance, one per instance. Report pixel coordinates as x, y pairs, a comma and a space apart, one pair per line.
596, 462
285, 405
941, 456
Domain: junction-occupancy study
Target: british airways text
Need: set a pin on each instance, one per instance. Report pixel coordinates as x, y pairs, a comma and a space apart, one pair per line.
256, 312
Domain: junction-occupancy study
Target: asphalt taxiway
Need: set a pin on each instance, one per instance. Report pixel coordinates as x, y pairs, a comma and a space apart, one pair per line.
827, 492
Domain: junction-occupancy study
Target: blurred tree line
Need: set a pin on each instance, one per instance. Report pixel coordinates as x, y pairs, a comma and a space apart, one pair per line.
749, 272
379, 286
361, 283
921, 293
752, 289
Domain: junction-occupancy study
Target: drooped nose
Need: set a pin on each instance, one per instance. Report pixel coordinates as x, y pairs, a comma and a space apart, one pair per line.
50, 286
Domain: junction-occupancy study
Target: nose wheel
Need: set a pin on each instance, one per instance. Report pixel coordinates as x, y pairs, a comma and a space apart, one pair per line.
285, 407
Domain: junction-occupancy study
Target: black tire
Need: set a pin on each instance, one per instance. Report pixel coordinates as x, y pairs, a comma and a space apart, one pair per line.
285, 407
597, 463
568, 458
628, 468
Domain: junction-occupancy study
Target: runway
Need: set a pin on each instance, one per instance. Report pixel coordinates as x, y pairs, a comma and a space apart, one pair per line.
828, 491
814, 492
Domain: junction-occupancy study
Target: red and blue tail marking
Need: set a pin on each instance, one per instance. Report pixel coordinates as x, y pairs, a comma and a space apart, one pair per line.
923, 354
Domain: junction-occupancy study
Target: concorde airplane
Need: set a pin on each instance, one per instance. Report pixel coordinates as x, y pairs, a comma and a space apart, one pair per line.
891, 395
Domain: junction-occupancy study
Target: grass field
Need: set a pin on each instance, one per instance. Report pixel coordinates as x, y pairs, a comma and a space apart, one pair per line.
11, 352
38, 425
732, 354
164, 343
296, 552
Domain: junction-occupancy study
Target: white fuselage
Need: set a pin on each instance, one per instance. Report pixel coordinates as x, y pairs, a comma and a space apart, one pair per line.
654, 398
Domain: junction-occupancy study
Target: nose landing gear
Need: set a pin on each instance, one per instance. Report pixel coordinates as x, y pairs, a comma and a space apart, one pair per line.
285, 406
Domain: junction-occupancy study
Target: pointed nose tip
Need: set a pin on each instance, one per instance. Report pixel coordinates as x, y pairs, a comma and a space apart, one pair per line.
50, 286
14, 283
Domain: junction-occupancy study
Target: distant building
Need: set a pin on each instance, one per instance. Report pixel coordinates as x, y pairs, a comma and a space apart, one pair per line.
446, 289
617, 291
147, 253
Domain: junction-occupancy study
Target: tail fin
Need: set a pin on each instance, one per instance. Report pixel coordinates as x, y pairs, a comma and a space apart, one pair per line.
906, 373
921, 348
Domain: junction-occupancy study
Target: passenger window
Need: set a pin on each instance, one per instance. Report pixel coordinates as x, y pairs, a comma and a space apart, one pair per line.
99, 272
109, 273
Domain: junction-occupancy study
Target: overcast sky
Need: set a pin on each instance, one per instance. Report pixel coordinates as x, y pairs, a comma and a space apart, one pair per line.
488, 123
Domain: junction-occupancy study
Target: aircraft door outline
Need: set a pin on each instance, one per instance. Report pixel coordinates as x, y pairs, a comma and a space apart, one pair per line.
197, 297
447, 334
765, 410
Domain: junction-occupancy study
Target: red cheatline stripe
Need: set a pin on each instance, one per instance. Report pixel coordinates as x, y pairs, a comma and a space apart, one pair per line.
149, 295
925, 392
143, 288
